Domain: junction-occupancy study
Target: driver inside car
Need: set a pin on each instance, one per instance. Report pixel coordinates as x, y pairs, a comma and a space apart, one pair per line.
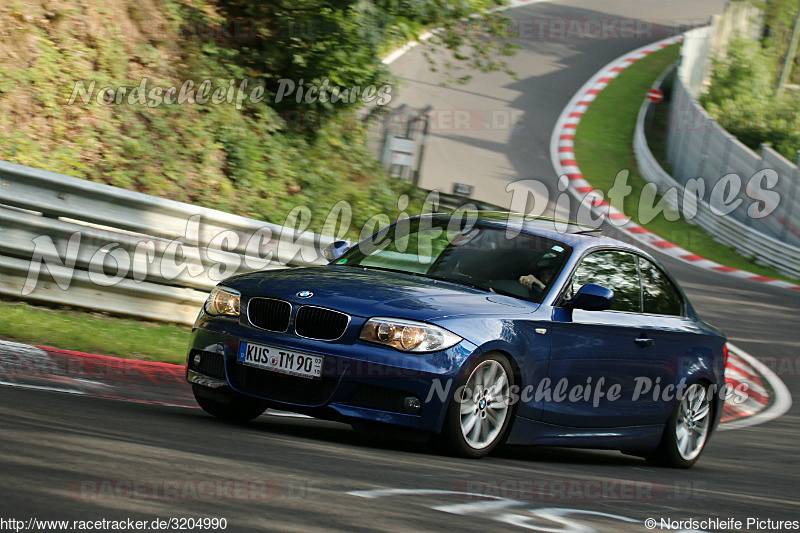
538, 280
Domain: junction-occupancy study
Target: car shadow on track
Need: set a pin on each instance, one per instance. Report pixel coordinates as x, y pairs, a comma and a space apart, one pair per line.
382, 439
574, 456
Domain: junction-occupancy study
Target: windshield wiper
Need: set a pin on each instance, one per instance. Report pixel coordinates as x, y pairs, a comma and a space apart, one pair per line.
493, 290
460, 282
385, 269
441, 278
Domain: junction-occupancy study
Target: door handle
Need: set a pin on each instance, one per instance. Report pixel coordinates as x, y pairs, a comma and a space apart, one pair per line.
644, 342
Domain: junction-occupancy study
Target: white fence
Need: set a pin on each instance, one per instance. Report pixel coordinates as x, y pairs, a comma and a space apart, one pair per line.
726, 229
71, 241
698, 147
741, 19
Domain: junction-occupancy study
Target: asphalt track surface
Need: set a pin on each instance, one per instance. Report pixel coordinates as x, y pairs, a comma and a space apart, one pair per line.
306, 474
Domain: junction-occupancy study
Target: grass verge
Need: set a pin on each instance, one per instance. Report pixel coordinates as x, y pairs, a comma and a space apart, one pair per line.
604, 146
83, 331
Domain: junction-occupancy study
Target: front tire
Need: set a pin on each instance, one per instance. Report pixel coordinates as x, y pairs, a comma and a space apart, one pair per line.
687, 431
231, 407
478, 419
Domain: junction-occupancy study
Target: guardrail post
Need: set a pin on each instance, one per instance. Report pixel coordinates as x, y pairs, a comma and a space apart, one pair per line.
425, 117
726, 154
704, 154
792, 199
680, 156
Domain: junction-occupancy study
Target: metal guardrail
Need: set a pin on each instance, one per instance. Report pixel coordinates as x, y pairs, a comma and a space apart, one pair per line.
72, 241
725, 229
697, 146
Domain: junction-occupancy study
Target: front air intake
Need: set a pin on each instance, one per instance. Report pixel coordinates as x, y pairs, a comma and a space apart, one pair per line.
320, 323
269, 314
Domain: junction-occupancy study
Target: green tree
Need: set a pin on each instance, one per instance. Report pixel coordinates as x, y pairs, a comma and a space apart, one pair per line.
741, 98
779, 21
341, 40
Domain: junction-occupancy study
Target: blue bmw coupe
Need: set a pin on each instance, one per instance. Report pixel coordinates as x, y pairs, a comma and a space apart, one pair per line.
477, 332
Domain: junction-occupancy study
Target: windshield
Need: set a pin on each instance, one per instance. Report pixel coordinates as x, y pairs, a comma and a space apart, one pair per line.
487, 258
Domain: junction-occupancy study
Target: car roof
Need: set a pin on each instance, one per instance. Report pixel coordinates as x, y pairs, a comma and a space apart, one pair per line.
579, 236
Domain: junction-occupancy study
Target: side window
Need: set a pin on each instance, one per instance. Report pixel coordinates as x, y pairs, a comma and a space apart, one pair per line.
614, 270
660, 296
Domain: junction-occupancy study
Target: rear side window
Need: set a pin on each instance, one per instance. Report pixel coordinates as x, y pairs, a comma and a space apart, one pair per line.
614, 270
659, 295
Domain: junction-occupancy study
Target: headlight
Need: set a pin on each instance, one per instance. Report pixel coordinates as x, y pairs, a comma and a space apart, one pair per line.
407, 336
223, 301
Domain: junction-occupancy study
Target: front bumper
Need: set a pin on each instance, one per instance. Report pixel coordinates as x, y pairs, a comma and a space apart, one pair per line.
361, 382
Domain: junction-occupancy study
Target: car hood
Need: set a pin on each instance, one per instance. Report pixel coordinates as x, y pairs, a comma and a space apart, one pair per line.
370, 292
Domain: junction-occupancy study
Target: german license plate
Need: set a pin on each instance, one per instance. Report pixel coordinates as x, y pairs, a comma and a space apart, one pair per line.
280, 360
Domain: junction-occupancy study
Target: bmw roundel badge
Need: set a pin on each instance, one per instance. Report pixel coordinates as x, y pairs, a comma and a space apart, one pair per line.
305, 294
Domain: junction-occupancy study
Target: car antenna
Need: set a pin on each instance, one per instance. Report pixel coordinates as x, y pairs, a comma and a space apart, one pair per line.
588, 230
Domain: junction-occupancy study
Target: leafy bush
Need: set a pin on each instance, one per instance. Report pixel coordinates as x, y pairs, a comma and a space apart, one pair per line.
251, 161
741, 97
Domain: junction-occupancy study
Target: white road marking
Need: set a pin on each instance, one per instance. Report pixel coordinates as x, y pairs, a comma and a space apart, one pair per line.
781, 397
41, 387
381, 493
738, 377
563, 519
739, 364
477, 507
286, 414
748, 410
558, 516
400, 52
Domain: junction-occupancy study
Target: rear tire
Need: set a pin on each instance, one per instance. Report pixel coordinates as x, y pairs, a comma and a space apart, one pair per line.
479, 419
687, 431
231, 406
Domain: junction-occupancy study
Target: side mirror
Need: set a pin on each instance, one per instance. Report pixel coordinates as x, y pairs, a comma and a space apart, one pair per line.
592, 297
335, 250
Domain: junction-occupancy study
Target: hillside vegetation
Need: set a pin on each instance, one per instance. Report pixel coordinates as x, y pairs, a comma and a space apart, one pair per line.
745, 95
259, 158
